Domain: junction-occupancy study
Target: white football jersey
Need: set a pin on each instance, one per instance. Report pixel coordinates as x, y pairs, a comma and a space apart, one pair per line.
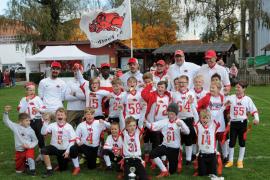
240, 107
131, 144
170, 130
113, 142
206, 137
114, 102
216, 110
89, 133
30, 105
199, 94
186, 110
161, 108
132, 103
62, 135
95, 101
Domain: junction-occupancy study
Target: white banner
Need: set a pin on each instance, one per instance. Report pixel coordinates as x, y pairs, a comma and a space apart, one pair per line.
103, 27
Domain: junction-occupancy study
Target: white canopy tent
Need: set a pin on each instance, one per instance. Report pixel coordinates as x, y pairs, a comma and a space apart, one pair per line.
57, 53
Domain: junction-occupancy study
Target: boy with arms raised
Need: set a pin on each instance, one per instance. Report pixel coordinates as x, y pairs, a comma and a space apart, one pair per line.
25, 141
62, 146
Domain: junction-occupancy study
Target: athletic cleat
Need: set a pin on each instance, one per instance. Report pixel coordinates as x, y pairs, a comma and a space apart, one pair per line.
109, 168
32, 173
163, 174
153, 166
76, 171
48, 173
82, 160
98, 160
240, 164
229, 164
188, 163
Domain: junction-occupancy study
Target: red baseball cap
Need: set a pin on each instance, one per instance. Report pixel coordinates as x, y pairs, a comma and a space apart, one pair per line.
179, 52
161, 62
133, 60
105, 65
55, 64
210, 54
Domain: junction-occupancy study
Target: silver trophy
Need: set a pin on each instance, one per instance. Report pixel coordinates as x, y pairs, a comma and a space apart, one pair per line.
132, 175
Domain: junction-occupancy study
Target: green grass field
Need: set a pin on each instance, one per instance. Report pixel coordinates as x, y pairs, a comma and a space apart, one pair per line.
256, 163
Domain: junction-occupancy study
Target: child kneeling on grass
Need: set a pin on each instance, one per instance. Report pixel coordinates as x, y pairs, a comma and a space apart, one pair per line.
25, 141
112, 150
63, 138
171, 128
88, 133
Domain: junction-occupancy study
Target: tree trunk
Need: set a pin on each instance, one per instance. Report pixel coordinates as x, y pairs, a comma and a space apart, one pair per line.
243, 31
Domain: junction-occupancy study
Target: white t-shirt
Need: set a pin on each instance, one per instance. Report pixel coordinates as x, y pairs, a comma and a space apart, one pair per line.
77, 102
105, 82
208, 72
187, 68
89, 134
138, 75
52, 93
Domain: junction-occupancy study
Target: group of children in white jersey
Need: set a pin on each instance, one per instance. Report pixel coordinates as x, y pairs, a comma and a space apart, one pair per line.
166, 120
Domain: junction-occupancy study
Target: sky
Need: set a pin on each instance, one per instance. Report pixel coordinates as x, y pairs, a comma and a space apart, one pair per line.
189, 35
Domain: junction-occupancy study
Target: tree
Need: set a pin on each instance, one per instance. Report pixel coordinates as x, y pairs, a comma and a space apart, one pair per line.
220, 14
47, 18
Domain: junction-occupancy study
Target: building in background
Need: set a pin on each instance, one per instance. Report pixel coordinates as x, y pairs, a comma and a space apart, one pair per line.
262, 34
12, 52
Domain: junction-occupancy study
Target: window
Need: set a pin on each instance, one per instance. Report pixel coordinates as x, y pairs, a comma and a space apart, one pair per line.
17, 48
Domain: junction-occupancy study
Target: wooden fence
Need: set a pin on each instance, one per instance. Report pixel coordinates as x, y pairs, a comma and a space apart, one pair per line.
253, 79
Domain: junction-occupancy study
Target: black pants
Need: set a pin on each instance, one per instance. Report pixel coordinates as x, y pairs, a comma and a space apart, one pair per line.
238, 129
190, 138
90, 154
207, 164
62, 162
36, 125
113, 158
137, 163
171, 154
154, 137
110, 120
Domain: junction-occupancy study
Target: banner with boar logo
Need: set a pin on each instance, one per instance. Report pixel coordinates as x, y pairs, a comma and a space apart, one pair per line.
103, 27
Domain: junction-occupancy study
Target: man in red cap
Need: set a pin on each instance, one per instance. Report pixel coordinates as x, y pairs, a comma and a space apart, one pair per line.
52, 89
105, 77
134, 70
181, 67
207, 70
75, 98
161, 73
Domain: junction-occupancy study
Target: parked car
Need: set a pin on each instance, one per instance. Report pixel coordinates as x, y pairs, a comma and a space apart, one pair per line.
20, 70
